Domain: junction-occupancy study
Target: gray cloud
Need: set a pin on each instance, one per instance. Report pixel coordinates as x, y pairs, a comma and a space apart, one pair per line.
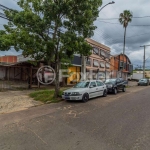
112, 34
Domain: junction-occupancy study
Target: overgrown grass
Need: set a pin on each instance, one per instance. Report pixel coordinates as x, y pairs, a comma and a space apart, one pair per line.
46, 96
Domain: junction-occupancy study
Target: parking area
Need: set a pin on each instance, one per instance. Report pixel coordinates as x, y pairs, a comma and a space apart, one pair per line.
11, 101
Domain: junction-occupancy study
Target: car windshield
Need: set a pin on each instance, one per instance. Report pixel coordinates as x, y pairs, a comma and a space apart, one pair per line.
110, 80
82, 85
142, 80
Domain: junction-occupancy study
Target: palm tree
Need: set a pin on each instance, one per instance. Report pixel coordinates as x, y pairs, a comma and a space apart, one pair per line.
124, 19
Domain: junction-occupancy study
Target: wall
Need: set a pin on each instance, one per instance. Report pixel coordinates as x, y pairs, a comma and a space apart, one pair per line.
10, 73
74, 75
8, 59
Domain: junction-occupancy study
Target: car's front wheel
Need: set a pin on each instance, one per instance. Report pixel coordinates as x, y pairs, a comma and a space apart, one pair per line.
85, 98
124, 89
115, 91
105, 93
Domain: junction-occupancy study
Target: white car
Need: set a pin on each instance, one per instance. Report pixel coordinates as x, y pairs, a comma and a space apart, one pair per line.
85, 90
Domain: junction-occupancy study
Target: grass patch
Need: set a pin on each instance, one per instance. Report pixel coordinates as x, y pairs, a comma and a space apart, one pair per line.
46, 96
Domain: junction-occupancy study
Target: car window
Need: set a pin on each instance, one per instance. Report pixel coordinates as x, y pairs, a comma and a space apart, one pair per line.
143, 80
99, 83
93, 84
110, 80
82, 85
121, 79
118, 80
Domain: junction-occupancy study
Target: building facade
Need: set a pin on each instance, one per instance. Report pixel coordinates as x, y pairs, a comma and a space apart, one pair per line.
98, 63
120, 66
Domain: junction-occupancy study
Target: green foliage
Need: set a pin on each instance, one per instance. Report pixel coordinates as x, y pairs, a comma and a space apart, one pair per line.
125, 18
46, 96
51, 30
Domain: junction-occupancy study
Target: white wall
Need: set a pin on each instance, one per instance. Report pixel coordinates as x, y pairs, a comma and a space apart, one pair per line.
137, 76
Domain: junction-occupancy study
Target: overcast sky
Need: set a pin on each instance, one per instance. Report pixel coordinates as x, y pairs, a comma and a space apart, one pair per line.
110, 32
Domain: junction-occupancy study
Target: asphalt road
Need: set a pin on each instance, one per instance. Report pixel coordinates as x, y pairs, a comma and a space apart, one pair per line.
117, 122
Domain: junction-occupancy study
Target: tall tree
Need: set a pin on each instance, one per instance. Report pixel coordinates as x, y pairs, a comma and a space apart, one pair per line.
124, 19
51, 29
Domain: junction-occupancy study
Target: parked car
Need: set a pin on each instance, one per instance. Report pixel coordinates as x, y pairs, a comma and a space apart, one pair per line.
114, 85
85, 90
144, 82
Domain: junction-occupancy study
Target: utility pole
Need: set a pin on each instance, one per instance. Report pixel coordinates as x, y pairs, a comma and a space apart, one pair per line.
144, 60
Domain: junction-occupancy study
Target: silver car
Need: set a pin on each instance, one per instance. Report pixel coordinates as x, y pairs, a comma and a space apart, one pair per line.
143, 82
85, 90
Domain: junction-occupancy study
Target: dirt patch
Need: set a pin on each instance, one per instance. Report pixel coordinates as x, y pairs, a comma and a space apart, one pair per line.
11, 101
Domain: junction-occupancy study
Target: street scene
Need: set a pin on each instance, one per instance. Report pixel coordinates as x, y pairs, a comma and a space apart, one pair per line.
74, 75
118, 122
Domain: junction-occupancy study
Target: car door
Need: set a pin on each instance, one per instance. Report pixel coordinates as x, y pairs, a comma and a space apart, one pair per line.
100, 88
92, 89
118, 82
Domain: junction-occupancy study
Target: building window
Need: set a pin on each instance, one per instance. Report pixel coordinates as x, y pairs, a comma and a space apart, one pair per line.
107, 65
103, 53
95, 63
107, 55
102, 64
121, 64
88, 61
95, 50
130, 68
94, 74
125, 65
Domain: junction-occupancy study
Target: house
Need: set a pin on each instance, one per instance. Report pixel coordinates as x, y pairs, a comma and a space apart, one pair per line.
120, 66
98, 63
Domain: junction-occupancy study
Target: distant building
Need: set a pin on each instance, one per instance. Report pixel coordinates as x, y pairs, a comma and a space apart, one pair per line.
121, 66
8, 59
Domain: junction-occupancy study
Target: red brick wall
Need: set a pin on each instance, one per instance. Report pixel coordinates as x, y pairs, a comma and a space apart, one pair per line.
8, 59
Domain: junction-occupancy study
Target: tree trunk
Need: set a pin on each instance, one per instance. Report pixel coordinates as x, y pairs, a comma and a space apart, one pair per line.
57, 67
124, 41
124, 48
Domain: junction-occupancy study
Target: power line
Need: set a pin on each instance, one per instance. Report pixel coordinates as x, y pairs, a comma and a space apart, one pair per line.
119, 23
118, 18
4, 7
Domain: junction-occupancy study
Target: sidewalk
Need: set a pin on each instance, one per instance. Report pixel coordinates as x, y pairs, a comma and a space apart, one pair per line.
132, 83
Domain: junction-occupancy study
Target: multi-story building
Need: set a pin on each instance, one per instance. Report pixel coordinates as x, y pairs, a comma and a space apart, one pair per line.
120, 66
98, 63
96, 66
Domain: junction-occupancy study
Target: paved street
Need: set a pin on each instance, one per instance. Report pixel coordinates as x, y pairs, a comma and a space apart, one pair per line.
117, 122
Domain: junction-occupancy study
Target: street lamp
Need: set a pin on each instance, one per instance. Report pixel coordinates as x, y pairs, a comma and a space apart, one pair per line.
83, 57
106, 5
99, 11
